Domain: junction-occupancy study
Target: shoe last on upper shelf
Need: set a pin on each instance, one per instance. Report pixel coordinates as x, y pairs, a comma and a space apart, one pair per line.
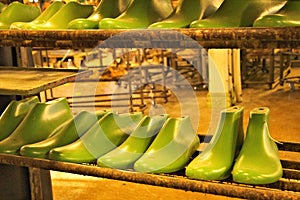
42, 18
105, 9
64, 16
186, 12
288, 15
238, 13
139, 15
18, 12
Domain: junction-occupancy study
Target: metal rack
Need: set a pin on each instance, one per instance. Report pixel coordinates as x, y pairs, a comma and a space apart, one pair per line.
253, 38
288, 187
243, 38
247, 37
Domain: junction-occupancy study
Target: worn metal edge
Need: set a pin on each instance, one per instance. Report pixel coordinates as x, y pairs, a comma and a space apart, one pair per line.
176, 182
240, 37
77, 75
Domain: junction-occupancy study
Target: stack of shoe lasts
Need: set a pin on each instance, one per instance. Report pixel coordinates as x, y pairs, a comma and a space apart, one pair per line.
105, 135
253, 161
65, 134
139, 15
13, 115
42, 18
238, 13
37, 124
105, 9
149, 144
186, 12
288, 15
57, 16
152, 14
17, 12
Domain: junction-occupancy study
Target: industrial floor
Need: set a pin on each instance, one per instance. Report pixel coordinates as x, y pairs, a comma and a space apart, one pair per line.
284, 108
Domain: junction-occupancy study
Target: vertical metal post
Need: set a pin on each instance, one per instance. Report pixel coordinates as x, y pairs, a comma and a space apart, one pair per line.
129, 83
272, 69
40, 184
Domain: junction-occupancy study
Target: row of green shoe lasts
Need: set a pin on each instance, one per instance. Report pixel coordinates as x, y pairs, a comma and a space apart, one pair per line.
155, 14
130, 141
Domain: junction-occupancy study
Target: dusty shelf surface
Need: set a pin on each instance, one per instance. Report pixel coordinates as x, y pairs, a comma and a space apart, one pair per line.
242, 37
31, 81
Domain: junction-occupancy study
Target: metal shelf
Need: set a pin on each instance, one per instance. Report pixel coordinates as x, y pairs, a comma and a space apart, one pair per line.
288, 187
252, 38
246, 37
31, 81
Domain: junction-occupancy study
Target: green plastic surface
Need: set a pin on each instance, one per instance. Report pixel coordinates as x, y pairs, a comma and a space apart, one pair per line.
216, 160
37, 125
2, 7
69, 132
124, 156
42, 18
14, 113
258, 161
139, 15
186, 12
18, 12
289, 15
105, 9
171, 149
238, 13
64, 16
110, 131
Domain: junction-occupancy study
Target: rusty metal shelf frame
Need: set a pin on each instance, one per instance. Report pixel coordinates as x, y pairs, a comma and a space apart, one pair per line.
226, 188
245, 37
288, 187
249, 37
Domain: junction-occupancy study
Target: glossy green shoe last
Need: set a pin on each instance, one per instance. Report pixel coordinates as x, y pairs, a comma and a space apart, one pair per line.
14, 113
216, 160
289, 15
140, 14
18, 12
46, 15
105, 9
186, 12
37, 125
258, 161
69, 132
64, 16
110, 131
171, 149
238, 13
124, 156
